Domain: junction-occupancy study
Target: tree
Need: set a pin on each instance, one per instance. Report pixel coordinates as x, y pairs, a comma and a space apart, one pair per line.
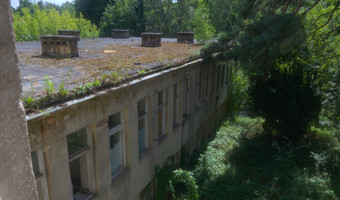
92, 10
203, 27
121, 15
272, 44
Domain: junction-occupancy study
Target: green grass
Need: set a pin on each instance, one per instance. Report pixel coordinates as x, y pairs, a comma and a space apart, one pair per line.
242, 162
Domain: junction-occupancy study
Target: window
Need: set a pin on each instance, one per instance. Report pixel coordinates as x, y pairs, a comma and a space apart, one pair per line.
212, 74
222, 76
142, 133
230, 74
198, 90
78, 149
187, 99
205, 86
35, 164
148, 192
226, 74
218, 74
175, 104
161, 115
116, 144
40, 179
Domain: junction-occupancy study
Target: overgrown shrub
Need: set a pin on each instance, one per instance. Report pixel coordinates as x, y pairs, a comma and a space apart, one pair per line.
29, 26
287, 100
244, 163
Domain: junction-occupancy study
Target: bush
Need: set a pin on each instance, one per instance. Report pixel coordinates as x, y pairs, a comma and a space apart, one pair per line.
29, 26
287, 100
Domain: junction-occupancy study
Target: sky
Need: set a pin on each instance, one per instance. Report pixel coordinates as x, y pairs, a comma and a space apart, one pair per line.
15, 3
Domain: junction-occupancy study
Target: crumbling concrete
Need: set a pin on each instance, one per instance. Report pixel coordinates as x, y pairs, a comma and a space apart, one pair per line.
16, 174
120, 33
59, 45
185, 37
70, 33
151, 39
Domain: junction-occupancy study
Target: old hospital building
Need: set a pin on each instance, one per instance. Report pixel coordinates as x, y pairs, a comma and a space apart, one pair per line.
106, 145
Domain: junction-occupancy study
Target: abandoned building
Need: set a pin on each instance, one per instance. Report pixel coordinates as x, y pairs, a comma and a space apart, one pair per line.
106, 145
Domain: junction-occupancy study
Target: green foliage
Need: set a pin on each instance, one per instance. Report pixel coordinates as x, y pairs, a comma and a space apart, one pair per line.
29, 26
92, 10
244, 163
182, 185
323, 43
62, 90
203, 30
278, 41
48, 85
141, 72
239, 98
86, 89
163, 16
287, 100
269, 40
120, 15
29, 101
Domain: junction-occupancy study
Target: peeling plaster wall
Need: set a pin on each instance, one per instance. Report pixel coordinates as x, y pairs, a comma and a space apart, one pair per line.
16, 175
47, 132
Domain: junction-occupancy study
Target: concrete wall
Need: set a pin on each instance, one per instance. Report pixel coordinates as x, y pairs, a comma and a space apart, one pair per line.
48, 132
16, 175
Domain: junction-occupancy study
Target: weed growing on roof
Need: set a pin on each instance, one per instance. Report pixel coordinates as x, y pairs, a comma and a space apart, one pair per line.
86, 89
114, 76
141, 72
48, 85
62, 90
29, 101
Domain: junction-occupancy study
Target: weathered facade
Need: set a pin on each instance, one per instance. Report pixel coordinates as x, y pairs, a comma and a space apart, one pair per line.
16, 175
106, 145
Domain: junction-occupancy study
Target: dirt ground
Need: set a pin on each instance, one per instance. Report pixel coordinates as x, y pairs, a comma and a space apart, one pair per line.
97, 57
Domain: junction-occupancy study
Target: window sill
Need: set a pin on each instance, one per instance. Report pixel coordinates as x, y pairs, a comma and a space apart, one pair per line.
82, 194
143, 153
161, 138
175, 126
119, 174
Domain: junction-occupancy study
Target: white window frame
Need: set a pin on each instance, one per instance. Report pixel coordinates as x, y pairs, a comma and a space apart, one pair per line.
176, 110
187, 92
146, 135
40, 178
119, 129
161, 107
86, 172
198, 95
205, 85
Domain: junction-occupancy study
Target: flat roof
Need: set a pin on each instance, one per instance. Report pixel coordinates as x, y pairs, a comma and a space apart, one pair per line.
97, 57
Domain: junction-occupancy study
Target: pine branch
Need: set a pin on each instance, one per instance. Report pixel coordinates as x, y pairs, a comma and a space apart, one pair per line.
298, 7
329, 19
310, 8
286, 6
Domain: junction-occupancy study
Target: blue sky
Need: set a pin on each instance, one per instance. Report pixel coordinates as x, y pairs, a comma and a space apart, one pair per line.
15, 3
